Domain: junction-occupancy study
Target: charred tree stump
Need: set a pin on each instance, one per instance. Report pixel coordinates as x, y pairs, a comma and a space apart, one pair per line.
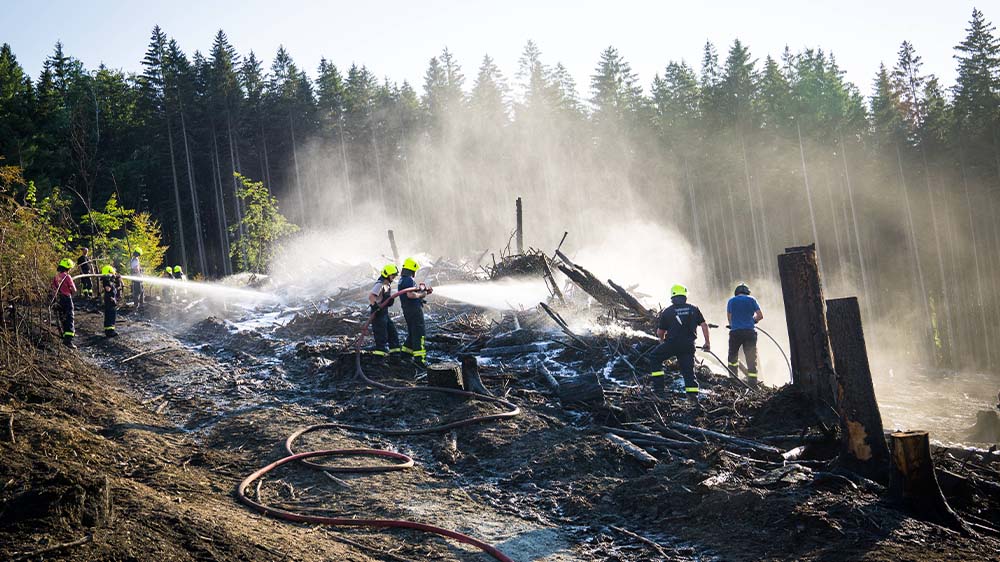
808, 338
392, 244
446, 375
585, 390
914, 483
862, 445
470, 375
520, 226
987, 428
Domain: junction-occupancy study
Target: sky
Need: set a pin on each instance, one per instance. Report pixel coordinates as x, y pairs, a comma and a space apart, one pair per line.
396, 39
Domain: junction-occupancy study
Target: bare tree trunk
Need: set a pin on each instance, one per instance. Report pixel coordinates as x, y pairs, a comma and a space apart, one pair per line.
298, 177
758, 258
979, 273
177, 191
194, 198
223, 222
913, 236
812, 213
347, 174
857, 231
234, 160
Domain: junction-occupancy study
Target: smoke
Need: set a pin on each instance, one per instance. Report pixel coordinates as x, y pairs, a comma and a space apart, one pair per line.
506, 294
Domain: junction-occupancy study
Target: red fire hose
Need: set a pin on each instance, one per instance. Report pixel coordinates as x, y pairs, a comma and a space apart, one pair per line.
405, 461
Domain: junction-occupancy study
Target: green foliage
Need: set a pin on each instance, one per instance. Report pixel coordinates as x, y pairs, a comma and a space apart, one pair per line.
120, 231
263, 226
28, 251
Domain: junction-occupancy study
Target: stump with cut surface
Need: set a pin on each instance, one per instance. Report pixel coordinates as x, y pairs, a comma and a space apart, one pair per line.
914, 483
446, 375
585, 389
987, 428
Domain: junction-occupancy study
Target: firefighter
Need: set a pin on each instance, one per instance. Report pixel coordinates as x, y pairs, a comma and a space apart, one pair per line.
138, 295
63, 290
386, 336
179, 273
413, 311
744, 313
86, 268
677, 332
111, 293
168, 273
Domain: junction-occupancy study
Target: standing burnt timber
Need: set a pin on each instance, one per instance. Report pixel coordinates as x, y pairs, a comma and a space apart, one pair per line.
520, 226
392, 244
863, 448
470, 375
808, 338
914, 483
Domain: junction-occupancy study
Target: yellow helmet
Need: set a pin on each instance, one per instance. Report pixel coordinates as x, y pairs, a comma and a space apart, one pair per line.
678, 291
107, 270
411, 264
168, 269
66, 262
177, 269
389, 270
138, 251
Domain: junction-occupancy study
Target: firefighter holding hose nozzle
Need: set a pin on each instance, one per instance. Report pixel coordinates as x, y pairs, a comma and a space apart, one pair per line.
413, 312
677, 331
63, 290
379, 302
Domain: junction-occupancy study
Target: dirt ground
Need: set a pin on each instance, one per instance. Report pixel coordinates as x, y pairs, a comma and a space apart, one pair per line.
139, 456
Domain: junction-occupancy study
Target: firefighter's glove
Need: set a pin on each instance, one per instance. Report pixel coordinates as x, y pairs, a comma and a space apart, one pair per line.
374, 308
429, 290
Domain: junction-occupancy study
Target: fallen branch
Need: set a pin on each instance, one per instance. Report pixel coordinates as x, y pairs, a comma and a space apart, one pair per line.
10, 428
738, 441
151, 352
638, 453
655, 545
562, 324
83, 540
651, 439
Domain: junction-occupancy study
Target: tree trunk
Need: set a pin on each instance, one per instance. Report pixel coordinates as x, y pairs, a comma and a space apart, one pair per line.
914, 483
585, 389
298, 178
392, 245
194, 198
177, 191
519, 210
223, 221
863, 448
808, 338
234, 160
445, 375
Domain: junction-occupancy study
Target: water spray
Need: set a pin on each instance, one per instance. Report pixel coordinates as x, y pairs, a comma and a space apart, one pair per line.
207, 289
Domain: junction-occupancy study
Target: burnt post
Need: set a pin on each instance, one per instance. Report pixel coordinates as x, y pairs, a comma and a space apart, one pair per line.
519, 237
808, 338
863, 448
392, 243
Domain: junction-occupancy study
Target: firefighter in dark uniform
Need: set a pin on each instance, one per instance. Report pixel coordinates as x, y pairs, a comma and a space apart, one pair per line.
677, 331
413, 312
111, 286
379, 303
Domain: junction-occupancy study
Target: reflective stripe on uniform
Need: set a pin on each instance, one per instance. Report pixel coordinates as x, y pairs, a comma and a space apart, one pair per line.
421, 353
69, 334
379, 352
656, 374
752, 375
108, 328
734, 364
690, 389
396, 350
406, 350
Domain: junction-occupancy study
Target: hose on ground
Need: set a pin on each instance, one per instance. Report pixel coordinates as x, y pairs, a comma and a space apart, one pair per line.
404, 461
783, 354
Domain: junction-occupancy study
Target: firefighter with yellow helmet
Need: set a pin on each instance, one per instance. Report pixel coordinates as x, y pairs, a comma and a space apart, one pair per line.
677, 332
379, 302
111, 291
413, 311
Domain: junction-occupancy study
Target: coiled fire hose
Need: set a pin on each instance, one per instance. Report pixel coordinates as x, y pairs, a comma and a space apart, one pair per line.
404, 460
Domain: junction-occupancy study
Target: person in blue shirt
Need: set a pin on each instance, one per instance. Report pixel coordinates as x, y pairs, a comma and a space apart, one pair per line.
677, 330
743, 312
413, 313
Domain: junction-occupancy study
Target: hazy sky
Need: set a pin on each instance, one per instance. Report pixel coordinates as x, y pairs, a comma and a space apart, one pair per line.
397, 38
